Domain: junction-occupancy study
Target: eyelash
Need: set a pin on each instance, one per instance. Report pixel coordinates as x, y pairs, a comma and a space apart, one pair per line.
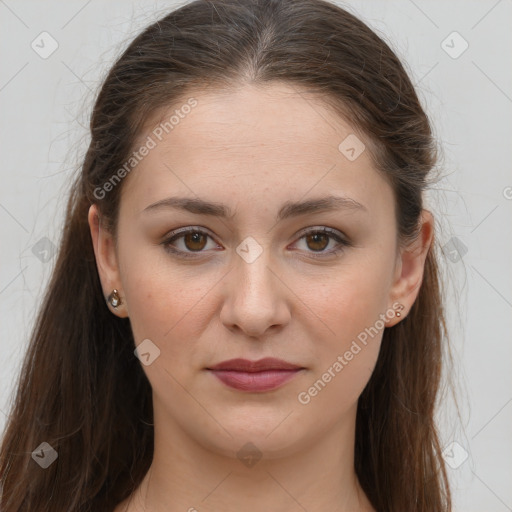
175, 235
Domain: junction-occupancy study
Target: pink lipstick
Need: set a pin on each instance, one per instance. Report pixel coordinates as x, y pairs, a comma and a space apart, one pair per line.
255, 376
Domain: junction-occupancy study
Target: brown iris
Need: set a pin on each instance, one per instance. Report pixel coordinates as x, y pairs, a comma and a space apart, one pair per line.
316, 240
195, 241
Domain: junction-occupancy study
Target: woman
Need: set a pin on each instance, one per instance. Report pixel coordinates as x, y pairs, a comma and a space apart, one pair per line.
245, 310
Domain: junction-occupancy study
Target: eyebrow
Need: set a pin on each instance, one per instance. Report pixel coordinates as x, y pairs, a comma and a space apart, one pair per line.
288, 210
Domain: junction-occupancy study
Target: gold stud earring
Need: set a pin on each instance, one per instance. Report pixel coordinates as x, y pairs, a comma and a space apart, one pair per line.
114, 298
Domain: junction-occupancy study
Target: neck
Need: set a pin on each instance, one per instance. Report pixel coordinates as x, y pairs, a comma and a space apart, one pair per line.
188, 476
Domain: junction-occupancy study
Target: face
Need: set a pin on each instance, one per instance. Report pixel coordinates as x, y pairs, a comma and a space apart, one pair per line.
313, 286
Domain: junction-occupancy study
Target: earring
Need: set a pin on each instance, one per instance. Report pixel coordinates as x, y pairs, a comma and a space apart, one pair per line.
114, 298
398, 314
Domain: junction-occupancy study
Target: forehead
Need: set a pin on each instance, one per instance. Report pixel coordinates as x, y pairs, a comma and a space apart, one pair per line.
251, 140
249, 117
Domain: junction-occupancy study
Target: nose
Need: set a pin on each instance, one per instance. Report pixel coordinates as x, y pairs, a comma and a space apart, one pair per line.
256, 299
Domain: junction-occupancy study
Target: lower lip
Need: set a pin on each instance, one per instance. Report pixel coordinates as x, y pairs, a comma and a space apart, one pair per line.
254, 381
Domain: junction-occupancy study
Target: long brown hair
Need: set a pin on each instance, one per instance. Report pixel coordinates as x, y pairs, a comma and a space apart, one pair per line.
82, 390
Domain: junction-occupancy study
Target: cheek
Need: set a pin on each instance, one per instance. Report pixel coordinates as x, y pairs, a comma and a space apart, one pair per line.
348, 361
348, 299
334, 389
346, 355
167, 304
350, 306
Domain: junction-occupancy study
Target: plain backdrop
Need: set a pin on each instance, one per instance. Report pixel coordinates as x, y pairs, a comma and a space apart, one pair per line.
458, 54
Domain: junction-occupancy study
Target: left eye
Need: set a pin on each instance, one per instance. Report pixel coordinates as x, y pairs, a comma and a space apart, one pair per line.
194, 241
318, 240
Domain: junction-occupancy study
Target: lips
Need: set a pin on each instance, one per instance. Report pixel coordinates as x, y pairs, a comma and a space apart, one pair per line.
256, 376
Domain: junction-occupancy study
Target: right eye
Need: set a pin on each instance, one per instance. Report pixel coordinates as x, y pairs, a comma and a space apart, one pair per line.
192, 242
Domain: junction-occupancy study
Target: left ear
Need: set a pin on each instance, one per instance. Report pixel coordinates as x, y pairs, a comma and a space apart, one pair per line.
410, 267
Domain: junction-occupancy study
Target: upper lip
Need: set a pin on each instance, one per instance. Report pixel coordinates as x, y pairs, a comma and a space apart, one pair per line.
245, 365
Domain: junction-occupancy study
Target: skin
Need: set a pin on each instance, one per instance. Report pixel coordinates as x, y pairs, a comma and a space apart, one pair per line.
253, 149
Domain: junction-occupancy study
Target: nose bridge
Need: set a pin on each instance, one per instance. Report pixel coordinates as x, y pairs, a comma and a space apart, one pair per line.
255, 298
253, 277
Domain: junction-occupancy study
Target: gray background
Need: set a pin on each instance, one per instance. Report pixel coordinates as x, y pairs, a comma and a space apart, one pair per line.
45, 104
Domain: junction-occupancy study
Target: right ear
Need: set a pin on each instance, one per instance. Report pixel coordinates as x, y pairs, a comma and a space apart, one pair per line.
106, 260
